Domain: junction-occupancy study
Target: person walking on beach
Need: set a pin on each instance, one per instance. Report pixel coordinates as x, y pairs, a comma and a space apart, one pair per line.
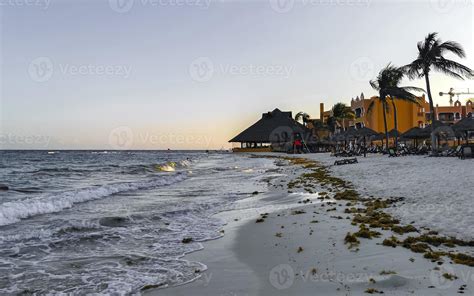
297, 145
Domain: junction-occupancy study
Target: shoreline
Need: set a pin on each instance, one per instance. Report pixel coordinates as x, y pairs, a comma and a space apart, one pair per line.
289, 253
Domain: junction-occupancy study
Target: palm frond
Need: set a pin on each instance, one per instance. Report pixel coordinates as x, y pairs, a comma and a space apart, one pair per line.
452, 47
452, 68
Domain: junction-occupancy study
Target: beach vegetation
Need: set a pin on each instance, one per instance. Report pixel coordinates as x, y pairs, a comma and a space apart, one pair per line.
351, 240
391, 242
187, 240
373, 291
450, 276
403, 229
365, 232
387, 272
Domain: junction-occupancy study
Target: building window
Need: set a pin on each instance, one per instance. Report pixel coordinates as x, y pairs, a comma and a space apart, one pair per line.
458, 116
358, 112
446, 116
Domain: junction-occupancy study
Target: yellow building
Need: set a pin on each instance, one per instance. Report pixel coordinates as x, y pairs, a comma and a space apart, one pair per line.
408, 114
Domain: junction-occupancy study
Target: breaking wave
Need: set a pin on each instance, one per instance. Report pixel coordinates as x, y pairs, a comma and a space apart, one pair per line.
12, 212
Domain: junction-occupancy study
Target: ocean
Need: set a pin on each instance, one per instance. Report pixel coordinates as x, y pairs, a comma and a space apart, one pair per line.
114, 222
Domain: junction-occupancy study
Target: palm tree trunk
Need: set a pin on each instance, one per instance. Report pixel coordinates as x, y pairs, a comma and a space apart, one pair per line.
395, 122
385, 122
432, 111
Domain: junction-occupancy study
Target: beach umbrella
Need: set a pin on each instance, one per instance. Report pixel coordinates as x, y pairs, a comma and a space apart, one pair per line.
465, 125
365, 133
338, 137
413, 133
350, 134
436, 124
440, 130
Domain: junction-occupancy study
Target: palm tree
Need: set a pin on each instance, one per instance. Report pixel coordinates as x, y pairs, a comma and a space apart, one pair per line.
341, 112
431, 53
387, 84
302, 116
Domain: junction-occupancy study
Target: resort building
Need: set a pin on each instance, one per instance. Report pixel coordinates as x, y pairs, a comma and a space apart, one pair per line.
453, 114
409, 115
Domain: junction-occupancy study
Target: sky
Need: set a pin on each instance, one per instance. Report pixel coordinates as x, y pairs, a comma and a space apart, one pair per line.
191, 74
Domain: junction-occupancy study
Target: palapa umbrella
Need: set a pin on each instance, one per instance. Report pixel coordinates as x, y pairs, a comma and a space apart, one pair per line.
415, 133
365, 133
350, 134
464, 125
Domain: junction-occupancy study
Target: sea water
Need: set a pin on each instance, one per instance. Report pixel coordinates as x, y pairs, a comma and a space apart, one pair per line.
113, 222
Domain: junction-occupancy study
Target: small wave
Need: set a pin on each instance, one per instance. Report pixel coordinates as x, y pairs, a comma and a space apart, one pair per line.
12, 212
114, 221
166, 168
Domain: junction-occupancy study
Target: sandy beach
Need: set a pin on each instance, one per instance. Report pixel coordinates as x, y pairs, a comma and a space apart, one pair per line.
298, 245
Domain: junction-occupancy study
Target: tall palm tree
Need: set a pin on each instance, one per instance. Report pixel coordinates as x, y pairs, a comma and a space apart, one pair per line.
341, 113
302, 116
431, 53
387, 84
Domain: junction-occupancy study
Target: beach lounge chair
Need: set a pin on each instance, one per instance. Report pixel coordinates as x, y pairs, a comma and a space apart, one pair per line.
392, 153
466, 152
346, 161
454, 152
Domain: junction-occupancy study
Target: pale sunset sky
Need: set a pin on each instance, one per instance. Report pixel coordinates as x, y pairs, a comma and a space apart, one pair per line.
191, 74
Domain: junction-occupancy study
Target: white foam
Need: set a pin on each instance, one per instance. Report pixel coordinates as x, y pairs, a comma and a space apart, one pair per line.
11, 212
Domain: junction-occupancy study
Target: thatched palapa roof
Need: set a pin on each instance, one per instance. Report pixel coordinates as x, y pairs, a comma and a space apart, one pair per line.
273, 127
